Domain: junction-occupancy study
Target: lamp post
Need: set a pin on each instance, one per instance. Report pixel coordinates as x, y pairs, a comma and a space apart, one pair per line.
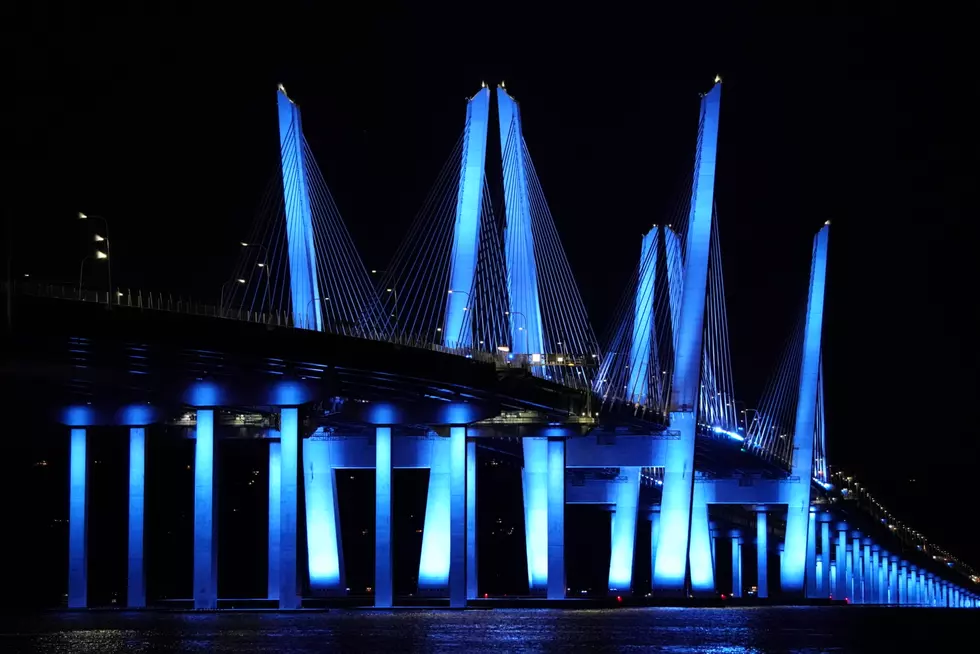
520, 329
108, 249
310, 303
465, 308
225, 285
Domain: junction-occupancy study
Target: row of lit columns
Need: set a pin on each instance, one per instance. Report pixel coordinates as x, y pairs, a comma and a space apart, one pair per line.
283, 582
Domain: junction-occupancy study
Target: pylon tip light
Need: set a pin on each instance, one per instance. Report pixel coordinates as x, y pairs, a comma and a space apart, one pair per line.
717, 79
827, 223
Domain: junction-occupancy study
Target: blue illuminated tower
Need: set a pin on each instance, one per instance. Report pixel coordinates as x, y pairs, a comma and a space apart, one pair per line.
793, 570
641, 349
466, 230
299, 217
670, 565
527, 334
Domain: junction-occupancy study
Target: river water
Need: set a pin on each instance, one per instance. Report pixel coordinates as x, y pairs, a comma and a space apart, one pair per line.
728, 630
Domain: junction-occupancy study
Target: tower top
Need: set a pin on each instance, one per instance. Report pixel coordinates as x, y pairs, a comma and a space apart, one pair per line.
717, 79
282, 89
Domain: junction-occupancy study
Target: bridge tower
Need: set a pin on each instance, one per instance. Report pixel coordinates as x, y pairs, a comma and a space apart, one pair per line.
793, 570
466, 230
671, 563
544, 458
304, 289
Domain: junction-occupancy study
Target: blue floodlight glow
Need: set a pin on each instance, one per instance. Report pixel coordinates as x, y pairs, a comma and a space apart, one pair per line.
623, 530
322, 516
78, 521
731, 434
535, 486
136, 587
136, 414
79, 415
205, 547
299, 218
466, 233
793, 568
434, 560
639, 370
522, 276
204, 393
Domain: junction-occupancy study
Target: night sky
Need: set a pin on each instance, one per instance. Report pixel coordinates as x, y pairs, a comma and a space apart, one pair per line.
166, 124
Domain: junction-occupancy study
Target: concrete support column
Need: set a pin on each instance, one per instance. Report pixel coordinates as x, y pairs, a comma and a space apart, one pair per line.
275, 523
654, 535
840, 558
857, 595
534, 483
289, 596
323, 540
762, 553
556, 518
825, 589
623, 529
849, 574
874, 568
912, 581
457, 517
472, 578
893, 579
136, 573
434, 563
78, 520
383, 578
903, 584
700, 557
811, 554
736, 565
867, 576
205, 513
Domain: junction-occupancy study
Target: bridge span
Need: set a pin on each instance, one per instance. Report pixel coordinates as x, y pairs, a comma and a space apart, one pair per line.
475, 337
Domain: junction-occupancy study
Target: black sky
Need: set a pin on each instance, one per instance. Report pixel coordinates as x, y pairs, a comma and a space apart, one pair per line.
165, 122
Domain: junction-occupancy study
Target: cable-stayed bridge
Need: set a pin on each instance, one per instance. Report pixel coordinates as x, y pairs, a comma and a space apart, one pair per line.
476, 333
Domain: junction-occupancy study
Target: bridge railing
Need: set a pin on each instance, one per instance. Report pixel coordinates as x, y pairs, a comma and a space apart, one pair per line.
147, 301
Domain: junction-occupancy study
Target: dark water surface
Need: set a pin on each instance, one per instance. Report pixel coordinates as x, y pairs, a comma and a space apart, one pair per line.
730, 630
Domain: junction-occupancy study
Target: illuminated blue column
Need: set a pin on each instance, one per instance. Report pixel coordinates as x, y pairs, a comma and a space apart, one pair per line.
670, 568
472, 578
304, 289
762, 552
136, 574
325, 553
556, 518
274, 520
289, 597
205, 513
640, 348
903, 584
535, 487
654, 534
866, 574
627, 489
78, 520
736, 565
434, 564
457, 510
792, 572
701, 556
840, 556
913, 582
857, 594
811, 555
893, 579
527, 333
878, 562
825, 589
849, 559
466, 232
383, 580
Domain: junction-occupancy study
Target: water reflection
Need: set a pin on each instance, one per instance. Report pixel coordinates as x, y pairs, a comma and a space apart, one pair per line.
716, 631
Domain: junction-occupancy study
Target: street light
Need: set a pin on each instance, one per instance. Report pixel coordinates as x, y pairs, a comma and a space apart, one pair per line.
99, 254
223, 286
308, 304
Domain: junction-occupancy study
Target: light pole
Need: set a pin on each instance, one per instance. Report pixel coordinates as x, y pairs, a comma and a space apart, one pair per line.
465, 308
264, 264
225, 285
108, 248
520, 329
394, 307
309, 304
99, 254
